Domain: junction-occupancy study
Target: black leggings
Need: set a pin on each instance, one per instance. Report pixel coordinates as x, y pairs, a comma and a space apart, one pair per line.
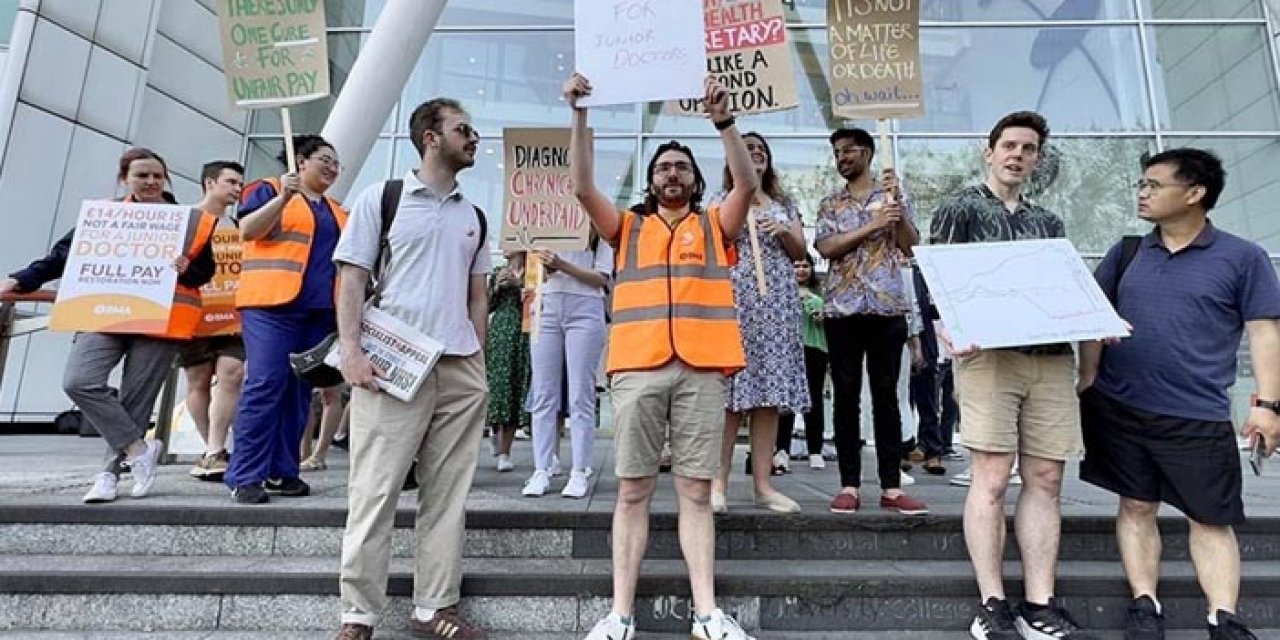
815, 368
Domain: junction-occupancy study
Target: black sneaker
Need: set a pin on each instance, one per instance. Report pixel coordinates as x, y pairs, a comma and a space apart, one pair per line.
249, 494
994, 621
288, 487
1229, 627
1142, 622
1051, 623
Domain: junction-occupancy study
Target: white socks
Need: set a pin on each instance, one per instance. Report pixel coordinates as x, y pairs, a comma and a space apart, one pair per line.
424, 614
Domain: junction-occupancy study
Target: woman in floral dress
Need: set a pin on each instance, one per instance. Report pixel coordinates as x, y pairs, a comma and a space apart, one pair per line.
507, 357
773, 381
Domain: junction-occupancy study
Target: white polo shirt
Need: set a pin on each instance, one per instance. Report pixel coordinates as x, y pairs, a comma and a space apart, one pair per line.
436, 246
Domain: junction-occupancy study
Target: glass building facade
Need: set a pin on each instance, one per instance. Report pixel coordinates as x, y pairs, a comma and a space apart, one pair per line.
1115, 78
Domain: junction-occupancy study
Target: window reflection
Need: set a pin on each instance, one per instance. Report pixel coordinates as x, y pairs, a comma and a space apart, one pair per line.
990, 10
1247, 206
1214, 78
1193, 9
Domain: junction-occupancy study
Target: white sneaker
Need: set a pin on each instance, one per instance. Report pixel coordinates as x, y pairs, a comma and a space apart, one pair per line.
816, 461
504, 463
576, 487
781, 459
522, 433
556, 470
962, 479
537, 484
104, 488
906, 479
612, 628
144, 469
719, 627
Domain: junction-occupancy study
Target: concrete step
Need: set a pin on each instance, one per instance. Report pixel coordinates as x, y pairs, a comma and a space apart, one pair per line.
286, 531
1188, 634
243, 593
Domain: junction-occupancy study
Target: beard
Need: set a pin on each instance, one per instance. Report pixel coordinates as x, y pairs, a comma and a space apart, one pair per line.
851, 172
670, 199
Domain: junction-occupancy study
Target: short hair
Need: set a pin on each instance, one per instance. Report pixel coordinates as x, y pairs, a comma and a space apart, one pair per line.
428, 117
859, 136
699, 183
304, 146
213, 170
1022, 119
140, 153
1195, 167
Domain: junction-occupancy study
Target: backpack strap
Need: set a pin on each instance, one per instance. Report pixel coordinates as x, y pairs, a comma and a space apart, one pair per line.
484, 230
391, 190
1129, 246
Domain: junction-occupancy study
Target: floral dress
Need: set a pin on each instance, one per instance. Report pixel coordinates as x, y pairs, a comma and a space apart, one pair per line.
506, 356
770, 324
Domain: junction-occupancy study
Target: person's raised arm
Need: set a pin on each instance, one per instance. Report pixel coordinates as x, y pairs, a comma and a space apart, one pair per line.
736, 203
582, 165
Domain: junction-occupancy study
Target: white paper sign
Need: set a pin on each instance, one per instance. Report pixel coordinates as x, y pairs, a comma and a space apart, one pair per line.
1007, 294
640, 50
404, 354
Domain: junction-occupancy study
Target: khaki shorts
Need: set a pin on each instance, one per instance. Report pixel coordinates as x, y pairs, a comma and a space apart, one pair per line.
1014, 402
673, 401
198, 351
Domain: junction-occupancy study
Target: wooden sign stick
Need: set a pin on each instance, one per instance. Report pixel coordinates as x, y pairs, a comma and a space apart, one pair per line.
886, 151
755, 254
533, 280
286, 126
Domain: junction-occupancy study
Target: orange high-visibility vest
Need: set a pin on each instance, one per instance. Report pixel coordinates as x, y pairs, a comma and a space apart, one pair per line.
184, 315
271, 268
673, 297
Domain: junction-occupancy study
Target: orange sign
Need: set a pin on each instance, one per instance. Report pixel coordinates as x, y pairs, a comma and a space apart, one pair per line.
219, 316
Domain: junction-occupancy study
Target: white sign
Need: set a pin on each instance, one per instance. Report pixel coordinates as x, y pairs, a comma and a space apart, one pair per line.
1008, 294
403, 353
639, 50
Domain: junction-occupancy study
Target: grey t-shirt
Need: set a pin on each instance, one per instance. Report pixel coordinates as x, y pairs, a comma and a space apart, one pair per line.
436, 247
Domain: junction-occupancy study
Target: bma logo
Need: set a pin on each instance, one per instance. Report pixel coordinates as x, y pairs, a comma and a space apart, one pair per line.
112, 310
691, 255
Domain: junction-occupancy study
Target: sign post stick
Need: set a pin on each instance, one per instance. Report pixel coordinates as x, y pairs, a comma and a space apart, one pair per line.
755, 254
886, 151
533, 280
286, 126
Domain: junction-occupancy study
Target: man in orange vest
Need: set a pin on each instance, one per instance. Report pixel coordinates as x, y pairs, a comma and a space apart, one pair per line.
674, 338
217, 348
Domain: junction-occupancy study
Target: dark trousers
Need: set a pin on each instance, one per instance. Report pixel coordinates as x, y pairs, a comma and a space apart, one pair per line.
815, 369
924, 399
950, 414
880, 340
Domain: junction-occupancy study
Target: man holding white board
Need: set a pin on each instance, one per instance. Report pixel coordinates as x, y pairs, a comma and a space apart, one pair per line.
1015, 401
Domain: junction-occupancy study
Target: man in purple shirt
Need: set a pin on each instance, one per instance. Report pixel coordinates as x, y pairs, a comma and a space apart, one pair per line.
865, 230
1156, 408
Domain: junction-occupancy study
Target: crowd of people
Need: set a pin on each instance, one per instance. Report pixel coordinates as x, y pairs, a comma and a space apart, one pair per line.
707, 310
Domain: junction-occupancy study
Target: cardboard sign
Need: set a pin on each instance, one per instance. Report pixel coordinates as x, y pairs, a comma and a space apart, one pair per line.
274, 52
119, 276
218, 315
639, 50
875, 58
747, 51
539, 210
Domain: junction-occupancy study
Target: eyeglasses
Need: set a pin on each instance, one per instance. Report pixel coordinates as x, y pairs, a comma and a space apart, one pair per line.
466, 130
680, 167
327, 161
1153, 186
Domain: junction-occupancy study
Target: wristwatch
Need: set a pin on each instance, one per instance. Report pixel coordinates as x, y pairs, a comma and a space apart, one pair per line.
1273, 405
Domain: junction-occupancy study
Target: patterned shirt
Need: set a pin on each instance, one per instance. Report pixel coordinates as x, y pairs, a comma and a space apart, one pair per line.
977, 214
867, 280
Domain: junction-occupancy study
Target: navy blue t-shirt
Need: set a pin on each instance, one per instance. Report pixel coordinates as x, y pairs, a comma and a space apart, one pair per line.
318, 279
1188, 311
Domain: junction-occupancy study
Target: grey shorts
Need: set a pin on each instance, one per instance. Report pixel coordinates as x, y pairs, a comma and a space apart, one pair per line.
674, 401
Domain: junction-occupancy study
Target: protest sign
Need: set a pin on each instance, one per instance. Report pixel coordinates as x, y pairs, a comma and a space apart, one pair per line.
747, 51
404, 354
218, 315
875, 58
539, 208
274, 52
639, 50
119, 276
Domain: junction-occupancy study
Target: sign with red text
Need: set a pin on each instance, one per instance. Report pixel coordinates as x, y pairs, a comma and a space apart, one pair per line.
218, 315
275, 53
119, 276
875, 58
639, 50
747, 51
539, 209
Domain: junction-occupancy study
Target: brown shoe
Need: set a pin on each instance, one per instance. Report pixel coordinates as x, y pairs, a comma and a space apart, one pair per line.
935, 467
445, 625
353, 631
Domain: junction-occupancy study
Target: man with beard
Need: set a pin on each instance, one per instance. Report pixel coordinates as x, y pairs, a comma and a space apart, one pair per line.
436, 242
674, 338
1015, 402
865, 230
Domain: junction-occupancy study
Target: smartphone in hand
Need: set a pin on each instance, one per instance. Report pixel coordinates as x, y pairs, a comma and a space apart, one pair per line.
1257, 453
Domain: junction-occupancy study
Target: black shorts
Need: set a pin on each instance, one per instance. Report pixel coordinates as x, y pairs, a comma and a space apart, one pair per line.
1192, 465
198, 351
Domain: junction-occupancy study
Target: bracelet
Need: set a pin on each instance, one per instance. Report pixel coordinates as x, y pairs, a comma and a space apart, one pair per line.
724, 124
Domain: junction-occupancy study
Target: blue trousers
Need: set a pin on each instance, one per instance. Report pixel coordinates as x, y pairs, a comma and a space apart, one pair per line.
274, 403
